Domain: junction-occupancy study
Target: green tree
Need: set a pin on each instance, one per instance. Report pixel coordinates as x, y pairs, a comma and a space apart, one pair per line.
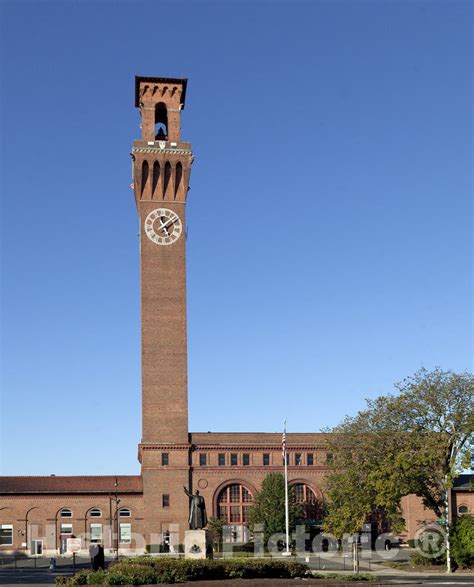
463, 542
269, 506
413, 442
215, 528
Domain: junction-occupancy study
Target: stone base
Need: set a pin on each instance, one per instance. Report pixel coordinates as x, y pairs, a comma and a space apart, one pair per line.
197, 544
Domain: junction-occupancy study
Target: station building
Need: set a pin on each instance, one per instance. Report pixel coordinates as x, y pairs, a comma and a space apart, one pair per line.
133, 513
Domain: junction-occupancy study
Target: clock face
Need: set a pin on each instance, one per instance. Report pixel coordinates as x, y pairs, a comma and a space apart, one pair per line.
163, 226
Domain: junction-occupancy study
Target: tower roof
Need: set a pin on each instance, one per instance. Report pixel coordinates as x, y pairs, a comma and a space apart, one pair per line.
159, 80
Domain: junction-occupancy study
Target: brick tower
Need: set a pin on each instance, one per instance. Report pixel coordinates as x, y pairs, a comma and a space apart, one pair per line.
161, 169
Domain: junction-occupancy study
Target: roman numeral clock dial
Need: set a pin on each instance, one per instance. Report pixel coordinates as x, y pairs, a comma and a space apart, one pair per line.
163, 226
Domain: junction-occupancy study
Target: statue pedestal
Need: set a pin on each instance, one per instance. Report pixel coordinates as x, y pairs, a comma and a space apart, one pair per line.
197, 544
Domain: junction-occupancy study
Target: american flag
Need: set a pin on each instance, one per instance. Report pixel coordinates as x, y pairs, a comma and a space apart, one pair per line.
283, 444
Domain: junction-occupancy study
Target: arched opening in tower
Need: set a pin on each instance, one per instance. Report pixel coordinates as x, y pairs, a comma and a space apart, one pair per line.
179, 176
161, 122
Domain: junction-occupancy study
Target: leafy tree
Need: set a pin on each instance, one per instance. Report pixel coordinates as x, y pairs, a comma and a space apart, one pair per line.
413, 442
463, 542
215, 528
269, 506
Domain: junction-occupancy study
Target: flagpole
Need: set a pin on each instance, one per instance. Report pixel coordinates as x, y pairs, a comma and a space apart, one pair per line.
287, 515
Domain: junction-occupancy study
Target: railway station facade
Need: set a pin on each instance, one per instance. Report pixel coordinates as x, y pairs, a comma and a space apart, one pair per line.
138, 512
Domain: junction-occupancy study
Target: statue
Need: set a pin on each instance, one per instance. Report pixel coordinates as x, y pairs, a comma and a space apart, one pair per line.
197, 511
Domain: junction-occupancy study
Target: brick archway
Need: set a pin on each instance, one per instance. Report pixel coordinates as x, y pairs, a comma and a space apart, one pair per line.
225, 484
310, 497
232, 503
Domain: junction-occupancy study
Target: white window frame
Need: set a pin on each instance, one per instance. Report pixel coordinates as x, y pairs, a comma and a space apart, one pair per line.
7, 527
67, 532
95, 539
128, 527
122, 513
68, 514
93, 515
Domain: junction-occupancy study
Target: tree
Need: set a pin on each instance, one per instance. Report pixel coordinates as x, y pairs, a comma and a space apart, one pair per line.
463, 542
413, 442
215, 527
269, 506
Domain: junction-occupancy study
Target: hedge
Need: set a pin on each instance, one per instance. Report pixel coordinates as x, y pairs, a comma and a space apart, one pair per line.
148, 571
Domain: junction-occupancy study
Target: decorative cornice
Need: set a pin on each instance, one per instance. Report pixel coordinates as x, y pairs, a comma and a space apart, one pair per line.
302, 469
164, 446
165, 151
259, 447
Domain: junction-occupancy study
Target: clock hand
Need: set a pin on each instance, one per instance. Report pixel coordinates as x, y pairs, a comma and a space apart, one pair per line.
164, 225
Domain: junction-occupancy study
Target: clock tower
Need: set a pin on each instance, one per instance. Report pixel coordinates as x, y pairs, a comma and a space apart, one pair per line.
161, 164
161, 168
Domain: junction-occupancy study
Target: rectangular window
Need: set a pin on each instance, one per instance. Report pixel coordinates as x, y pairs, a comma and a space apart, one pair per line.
166, 500
310, 459
165, 458
287, 459
202, 459
298, 459
329, 457
66, 528
221, 459
6, 535
125, 533
266, 459
233, 459
246, 459
96, 533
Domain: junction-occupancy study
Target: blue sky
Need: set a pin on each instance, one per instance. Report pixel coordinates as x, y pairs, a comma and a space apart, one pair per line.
330, 213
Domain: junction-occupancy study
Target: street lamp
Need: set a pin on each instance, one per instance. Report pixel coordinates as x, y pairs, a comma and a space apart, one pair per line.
117, 500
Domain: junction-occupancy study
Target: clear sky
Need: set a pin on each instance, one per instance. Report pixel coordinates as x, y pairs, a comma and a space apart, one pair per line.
330, 213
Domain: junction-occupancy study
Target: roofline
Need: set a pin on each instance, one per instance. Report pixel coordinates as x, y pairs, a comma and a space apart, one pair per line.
262, 433
71, 492
159, 80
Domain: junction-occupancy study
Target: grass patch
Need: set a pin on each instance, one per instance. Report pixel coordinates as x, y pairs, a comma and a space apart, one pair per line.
396, 564
348, 577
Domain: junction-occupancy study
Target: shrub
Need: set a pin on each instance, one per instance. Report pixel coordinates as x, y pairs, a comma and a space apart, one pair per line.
420, 560
462, 542
147, 570
78, 579
96, 578
130, 574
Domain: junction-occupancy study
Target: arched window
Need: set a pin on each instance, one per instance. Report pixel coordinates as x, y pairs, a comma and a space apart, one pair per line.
65, 513
156, 176
305, 496
462, 510
161, 122
167, 176
233, 508
145, 173
179, 175
125, 513
95, 513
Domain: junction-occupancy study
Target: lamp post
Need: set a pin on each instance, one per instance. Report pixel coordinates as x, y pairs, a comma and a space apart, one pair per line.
116, 499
